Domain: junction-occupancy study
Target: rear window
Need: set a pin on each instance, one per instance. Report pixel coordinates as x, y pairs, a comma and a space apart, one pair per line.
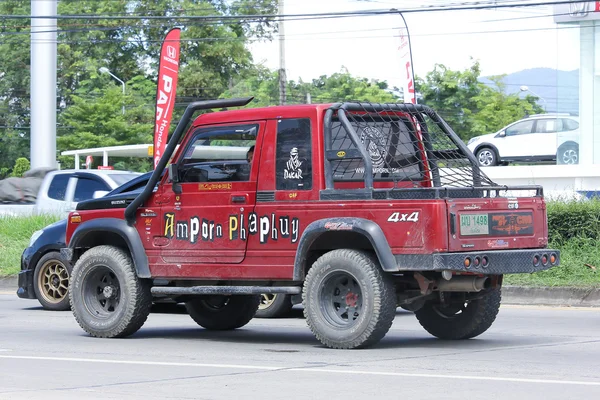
570, 125
391, 145
58, 187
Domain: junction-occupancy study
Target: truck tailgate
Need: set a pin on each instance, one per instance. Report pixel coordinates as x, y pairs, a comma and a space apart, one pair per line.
496, 223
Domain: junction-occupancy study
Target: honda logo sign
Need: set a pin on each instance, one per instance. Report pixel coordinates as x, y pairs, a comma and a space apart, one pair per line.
171, 52
577, 11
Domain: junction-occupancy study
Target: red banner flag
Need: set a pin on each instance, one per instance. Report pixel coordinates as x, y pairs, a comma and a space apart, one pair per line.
168, 69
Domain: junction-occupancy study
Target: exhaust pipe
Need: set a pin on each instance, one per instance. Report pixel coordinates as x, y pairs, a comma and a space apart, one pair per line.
462, 284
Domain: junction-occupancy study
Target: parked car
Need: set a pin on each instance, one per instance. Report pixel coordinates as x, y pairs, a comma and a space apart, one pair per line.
538, 138
60, 191
44, 272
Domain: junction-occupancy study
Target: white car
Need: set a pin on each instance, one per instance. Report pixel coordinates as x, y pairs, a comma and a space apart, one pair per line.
60, 191
539, 138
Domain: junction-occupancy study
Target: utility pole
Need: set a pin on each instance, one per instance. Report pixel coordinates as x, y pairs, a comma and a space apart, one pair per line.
43, 84
282, 77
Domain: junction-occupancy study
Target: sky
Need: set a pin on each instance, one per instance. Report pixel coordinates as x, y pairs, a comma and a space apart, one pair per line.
367, 46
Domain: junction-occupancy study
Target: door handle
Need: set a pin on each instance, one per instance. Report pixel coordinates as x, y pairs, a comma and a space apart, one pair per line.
238, 199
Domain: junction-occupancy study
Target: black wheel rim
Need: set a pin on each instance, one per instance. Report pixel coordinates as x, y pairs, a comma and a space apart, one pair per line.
340, 299
102, 292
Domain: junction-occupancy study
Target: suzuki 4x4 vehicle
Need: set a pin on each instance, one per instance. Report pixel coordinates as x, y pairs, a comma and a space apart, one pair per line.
358, 207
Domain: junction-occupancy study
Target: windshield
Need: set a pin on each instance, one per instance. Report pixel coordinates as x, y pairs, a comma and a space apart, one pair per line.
122, 178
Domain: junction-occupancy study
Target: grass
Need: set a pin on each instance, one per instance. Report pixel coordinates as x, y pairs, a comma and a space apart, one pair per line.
15, 233
573, 272
576, 252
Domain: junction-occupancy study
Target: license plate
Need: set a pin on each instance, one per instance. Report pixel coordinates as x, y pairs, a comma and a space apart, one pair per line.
474, 224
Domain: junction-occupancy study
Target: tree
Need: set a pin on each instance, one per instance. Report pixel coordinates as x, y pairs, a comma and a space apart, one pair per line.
95, 120
264, 86
21, 166
470, 107
214, 57
451, 94
496, 109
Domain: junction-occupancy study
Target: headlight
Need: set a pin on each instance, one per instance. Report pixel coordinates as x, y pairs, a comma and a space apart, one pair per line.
36, 235
473, 140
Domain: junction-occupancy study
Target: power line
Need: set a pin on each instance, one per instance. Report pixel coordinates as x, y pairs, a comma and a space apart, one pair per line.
484, 6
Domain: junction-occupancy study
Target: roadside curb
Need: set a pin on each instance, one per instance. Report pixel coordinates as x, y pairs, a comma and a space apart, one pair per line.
9, 285
551, 296
514, 295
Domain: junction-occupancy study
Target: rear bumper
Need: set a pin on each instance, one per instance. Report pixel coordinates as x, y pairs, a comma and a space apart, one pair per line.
499, 261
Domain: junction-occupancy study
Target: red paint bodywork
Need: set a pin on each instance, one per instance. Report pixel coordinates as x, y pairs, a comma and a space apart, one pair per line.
237, 259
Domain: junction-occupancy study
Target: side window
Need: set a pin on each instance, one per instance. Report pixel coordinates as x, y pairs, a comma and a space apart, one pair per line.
58, 187
548, 125
570, 124
520, 128
294, 155
86, 187
222, 154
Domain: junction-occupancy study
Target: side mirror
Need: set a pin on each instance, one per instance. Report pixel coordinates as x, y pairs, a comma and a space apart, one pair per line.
502, 134
173, 173
99, 193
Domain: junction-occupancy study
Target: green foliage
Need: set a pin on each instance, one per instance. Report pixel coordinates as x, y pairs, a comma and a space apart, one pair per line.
15, 233
4, 172
572, 271
470, 107
264, 86
496, 109
214, 55
573, 220
574, 229
21, 166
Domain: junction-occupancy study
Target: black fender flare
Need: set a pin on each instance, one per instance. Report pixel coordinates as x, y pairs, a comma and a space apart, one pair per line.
120, 227
371, 230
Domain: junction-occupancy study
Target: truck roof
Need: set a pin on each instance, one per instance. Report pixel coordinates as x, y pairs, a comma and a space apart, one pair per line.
247, 114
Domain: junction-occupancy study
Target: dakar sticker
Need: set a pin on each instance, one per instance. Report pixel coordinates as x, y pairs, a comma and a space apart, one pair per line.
292, 168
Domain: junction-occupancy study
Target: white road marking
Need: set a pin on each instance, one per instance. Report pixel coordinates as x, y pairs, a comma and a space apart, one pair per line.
307, 369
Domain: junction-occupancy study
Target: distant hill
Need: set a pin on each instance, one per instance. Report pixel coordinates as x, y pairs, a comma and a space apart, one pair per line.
560, 89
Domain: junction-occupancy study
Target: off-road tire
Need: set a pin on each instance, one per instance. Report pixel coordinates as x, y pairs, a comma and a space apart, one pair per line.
223, 313
472, 321
369, 303
51, 281
274, 306
115, 316
486, 157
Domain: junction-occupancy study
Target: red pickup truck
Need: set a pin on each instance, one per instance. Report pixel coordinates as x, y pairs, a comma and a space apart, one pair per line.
357, 207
